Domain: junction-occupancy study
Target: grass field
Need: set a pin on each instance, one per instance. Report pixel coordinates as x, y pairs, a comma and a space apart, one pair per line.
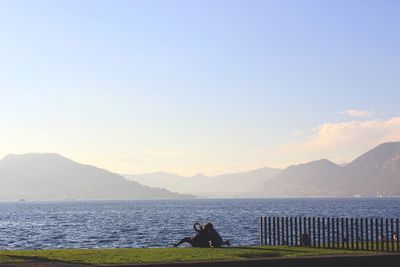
151, 255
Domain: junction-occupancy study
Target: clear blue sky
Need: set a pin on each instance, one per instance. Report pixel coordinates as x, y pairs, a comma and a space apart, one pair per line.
197, 86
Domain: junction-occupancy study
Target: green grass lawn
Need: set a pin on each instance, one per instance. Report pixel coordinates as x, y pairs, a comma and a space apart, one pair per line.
151, 255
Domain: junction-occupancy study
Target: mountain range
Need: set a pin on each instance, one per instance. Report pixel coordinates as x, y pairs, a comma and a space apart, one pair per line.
375, 173
226, 185
53, 177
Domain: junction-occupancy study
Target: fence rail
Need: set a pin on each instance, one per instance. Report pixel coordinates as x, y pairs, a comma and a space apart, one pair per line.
378, 234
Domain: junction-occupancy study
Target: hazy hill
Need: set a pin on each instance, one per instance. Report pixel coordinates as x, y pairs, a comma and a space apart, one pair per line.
227, 185
309, 179
53, 177
376, 172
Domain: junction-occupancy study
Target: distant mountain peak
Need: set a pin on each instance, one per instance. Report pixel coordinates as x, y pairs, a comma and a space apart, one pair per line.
388, 147
385, 149
377, 170
324, 161
50, 176
388, 144
315, 163
377, 156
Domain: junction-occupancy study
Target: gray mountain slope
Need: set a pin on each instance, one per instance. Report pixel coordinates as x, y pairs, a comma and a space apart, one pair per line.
309, 179
375, 172
165, 180
248, 181
53, 177
226, 185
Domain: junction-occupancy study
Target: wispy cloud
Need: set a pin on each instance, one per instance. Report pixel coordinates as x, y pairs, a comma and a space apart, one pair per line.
334, 135
344, 140
358, 113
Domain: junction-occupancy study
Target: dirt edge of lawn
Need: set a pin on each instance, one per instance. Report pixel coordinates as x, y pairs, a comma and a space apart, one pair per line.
352, 260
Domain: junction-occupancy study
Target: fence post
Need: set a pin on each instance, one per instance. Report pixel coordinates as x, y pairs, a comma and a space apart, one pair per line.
274, 226
261, 231
362, 232
300, 231
377, 233
272, 231
276, 237
305, 225
387, 234
397, 233
309, 230
337, 233
366, 234
265, 231
352, 232
287, 231
382, 236
333, 233
283, 230
391, 233
357, 235
295, 231
319, 231
323, 232
342, 226
291, 231
269, 231
278, 230
314, 239
372, 233
329, 232
347, 234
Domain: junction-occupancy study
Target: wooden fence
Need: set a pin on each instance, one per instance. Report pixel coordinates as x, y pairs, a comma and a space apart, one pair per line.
379, 234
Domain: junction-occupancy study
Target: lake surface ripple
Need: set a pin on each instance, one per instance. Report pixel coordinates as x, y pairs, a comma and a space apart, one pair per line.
109, 224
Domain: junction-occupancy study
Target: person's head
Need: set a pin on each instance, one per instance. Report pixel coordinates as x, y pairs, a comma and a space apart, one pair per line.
208, 227
197, 226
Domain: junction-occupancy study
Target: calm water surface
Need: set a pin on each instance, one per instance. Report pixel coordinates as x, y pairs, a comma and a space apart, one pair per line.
107, 224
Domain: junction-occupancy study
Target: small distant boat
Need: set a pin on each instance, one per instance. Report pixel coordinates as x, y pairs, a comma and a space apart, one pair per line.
22, 200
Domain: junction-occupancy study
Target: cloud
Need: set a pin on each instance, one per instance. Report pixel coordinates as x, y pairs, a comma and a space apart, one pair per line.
358, 113
345, 140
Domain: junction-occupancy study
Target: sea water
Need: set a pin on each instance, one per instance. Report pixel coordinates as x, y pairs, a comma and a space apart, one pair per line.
159, 223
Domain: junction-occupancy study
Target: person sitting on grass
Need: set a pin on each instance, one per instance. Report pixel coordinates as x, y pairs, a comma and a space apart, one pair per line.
200, 240
214, 239
206, 237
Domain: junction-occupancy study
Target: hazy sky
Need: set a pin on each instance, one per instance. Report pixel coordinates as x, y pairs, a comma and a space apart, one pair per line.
198, 86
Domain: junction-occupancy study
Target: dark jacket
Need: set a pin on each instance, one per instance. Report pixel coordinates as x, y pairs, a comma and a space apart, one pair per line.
201, 238
215, 238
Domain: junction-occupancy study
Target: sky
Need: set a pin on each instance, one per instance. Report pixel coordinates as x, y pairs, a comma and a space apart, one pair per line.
198, 86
